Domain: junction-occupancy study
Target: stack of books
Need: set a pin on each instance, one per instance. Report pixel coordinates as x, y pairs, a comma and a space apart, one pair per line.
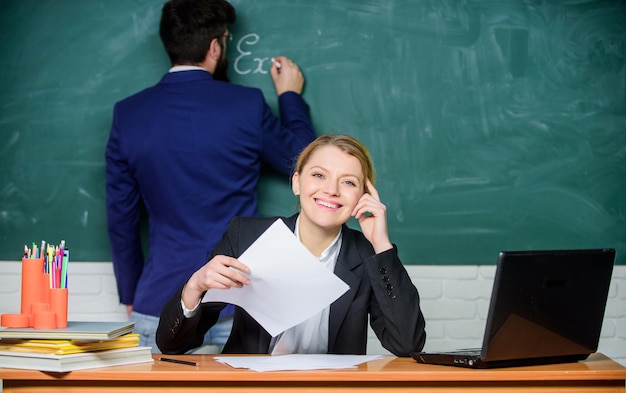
80, 346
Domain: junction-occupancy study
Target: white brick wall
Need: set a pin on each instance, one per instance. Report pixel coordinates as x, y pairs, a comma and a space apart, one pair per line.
454, 301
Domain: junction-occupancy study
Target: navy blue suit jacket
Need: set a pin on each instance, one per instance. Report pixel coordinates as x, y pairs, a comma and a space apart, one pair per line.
380, 288
190, 150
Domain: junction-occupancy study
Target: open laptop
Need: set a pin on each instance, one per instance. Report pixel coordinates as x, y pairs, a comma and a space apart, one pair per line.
546, 307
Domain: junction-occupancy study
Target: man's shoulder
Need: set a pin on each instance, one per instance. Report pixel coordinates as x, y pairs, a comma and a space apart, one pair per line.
201, 81
134, 97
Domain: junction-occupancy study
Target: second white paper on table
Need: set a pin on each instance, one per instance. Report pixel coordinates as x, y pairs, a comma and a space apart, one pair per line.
296, 362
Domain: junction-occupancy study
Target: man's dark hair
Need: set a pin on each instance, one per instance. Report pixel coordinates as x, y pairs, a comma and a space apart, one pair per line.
188, 26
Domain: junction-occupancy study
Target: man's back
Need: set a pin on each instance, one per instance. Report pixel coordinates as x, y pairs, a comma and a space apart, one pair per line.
192, 147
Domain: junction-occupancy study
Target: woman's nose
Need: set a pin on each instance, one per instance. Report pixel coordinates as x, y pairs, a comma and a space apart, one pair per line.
332, 188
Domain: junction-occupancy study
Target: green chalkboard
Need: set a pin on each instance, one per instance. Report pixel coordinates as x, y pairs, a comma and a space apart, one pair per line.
493, 124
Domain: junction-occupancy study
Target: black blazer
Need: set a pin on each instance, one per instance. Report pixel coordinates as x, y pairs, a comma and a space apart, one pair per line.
379, 288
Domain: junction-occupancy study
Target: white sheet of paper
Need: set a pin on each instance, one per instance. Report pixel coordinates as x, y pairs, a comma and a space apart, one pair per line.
288, 285
296, 362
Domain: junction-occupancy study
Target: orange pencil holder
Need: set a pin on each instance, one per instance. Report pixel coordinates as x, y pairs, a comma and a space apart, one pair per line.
58, 305
42, 317
42, 307
33, 285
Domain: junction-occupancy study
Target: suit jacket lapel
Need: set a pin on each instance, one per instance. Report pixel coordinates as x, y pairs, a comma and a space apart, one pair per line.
291, 222
348, 259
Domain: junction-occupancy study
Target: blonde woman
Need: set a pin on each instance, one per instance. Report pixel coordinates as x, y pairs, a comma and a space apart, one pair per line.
333, 181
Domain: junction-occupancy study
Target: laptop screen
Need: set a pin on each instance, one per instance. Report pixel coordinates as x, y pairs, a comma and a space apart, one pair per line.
547, 303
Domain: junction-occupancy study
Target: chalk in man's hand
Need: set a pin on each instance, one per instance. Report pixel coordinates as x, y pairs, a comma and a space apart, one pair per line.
278, 65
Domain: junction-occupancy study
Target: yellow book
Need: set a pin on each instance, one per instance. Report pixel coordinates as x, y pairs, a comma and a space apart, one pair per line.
65, 347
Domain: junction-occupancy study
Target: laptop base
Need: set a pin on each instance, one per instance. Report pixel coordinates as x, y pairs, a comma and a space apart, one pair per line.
474, 361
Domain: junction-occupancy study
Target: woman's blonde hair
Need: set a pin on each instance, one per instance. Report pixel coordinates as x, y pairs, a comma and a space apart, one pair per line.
347, 144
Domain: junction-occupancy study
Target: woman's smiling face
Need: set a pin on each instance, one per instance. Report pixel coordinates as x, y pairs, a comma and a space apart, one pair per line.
329, 185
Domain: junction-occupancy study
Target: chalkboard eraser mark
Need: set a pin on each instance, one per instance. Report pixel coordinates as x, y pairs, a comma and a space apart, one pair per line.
513, 44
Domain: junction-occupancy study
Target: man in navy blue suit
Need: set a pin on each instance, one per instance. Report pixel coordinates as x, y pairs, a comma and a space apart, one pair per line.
189, 150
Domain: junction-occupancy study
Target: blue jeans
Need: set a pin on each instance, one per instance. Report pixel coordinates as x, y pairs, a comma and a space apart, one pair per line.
146, 326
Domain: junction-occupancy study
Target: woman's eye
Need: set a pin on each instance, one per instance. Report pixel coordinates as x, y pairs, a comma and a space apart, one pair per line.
318, 175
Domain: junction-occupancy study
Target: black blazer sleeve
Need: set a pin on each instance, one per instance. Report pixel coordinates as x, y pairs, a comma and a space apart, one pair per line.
395, 313
177, 334
381, 289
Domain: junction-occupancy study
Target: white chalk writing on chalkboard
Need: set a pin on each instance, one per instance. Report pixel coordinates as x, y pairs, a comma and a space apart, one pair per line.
243, 44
